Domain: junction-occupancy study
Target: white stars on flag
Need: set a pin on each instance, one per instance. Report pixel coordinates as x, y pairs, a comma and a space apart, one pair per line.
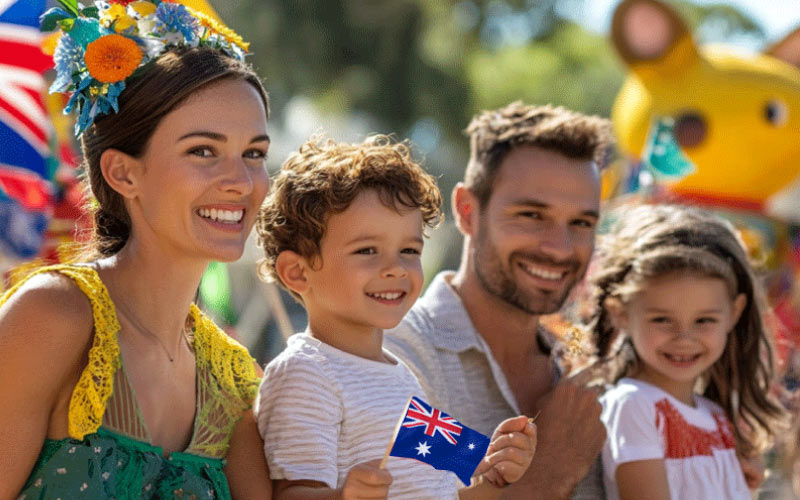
423, 449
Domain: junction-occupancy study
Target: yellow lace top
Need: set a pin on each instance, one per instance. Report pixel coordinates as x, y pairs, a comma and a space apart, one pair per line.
227, 381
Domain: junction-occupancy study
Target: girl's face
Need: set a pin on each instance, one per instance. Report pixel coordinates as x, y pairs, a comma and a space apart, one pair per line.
679, 326
202, 177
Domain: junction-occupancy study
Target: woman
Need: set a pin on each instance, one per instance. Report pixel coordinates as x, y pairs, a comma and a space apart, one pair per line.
134, 393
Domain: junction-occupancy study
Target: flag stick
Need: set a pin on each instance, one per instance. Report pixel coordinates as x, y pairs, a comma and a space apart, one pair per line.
394, 435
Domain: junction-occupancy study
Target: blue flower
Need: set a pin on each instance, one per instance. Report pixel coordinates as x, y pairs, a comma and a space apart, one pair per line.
68, 58
86, 30
175, 17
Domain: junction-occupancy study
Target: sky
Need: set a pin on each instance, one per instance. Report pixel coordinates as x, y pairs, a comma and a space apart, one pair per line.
776, 17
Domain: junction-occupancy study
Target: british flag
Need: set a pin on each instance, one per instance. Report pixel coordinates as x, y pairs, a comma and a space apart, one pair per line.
433, 420
25, 132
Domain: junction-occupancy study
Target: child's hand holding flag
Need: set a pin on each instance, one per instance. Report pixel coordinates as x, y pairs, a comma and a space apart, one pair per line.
431, 436
510, 452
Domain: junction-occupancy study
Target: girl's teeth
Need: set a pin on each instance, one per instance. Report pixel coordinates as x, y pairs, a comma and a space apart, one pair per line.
228, 216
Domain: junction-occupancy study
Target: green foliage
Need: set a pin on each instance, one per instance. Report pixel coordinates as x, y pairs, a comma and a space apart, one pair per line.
399, 61
70, 5
51, 18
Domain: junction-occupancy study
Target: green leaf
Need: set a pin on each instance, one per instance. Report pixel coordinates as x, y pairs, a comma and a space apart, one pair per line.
51, 18
91, 12
70, 5
67, 24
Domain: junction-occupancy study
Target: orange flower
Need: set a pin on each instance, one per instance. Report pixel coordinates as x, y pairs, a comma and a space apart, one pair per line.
112, 58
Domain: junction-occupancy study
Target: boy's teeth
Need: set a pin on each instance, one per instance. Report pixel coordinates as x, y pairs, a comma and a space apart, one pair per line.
541, 273
387, 296
229, 216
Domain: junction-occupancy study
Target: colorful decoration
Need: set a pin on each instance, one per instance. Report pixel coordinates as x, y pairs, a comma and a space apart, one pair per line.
26, 163
106, 43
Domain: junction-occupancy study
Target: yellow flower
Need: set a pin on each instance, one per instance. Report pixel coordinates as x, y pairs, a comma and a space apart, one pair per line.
112, 58
50, 42
223, 31
118, 16
143, 7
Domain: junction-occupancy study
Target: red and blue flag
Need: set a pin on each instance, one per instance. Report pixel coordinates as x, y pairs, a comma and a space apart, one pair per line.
431, 436
26, 163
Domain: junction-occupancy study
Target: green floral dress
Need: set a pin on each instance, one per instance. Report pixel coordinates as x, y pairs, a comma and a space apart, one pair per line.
108, 454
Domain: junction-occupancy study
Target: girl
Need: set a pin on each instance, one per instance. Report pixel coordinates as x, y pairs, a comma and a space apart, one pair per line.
678, 327
114, 385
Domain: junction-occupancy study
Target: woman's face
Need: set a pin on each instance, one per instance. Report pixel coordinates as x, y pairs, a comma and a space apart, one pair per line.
203, 174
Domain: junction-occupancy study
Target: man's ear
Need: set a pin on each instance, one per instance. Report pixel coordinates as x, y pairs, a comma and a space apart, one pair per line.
121, 172
465, 209
291, 269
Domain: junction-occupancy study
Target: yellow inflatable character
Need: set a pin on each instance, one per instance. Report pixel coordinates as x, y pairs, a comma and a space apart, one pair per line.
737, 118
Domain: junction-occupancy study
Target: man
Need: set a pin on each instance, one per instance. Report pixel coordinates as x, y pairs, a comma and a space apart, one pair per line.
528, 209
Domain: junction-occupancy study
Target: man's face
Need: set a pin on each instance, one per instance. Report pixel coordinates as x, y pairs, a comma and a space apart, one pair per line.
535, 235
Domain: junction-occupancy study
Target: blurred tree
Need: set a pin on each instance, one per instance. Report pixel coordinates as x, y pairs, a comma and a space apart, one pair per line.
400, 61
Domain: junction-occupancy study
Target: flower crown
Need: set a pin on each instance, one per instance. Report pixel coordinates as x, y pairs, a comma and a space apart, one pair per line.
104, 44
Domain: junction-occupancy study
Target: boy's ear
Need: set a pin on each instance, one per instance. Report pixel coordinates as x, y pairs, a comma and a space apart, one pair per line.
120, 171
291, 269
465, 209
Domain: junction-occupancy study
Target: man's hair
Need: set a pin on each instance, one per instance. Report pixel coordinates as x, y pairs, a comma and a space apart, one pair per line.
493, 134
323, 178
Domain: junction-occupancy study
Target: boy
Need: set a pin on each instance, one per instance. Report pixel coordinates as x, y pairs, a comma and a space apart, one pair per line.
342, 230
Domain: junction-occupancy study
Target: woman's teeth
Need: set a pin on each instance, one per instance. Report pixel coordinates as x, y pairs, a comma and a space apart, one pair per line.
227, 216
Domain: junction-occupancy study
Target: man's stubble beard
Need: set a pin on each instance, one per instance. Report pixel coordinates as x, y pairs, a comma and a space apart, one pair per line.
500, 283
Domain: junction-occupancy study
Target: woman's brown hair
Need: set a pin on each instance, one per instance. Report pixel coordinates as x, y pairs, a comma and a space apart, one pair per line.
158, 88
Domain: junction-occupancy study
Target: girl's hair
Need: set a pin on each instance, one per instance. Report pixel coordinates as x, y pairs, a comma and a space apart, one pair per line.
655, 240
149, 96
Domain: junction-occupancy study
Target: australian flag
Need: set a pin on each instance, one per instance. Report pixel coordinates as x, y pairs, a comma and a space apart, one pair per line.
434, 437
25, 130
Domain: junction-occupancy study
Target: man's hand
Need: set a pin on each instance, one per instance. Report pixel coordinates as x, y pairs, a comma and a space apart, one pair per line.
366, 481
510, 452
570, 436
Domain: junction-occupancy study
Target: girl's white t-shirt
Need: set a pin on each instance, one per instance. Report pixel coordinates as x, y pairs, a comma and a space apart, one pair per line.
697, 445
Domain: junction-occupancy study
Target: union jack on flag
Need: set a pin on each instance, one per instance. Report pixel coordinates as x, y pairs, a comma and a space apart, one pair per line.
433, 420
429, 435
25, 129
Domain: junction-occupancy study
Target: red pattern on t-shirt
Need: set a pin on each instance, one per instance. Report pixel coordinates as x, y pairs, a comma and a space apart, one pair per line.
685, 440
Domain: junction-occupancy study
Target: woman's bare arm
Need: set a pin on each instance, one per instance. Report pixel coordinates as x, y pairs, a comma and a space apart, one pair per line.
45, 332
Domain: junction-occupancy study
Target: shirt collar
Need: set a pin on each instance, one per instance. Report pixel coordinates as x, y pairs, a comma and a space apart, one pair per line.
444, 309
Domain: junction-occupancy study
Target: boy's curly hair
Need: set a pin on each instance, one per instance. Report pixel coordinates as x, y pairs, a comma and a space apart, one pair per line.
493, 134
323, 178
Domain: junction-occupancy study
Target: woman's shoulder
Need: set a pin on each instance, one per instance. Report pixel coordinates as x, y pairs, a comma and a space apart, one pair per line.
47, 307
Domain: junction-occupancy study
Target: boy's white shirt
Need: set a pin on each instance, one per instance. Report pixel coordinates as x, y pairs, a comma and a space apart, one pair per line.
322, 411
635, 432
